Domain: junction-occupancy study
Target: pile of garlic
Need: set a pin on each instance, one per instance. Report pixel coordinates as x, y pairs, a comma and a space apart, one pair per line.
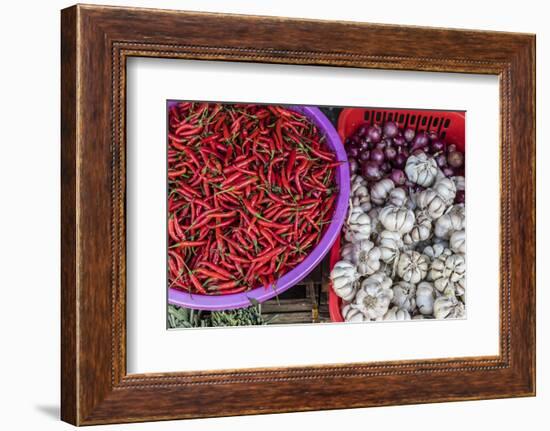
403, 252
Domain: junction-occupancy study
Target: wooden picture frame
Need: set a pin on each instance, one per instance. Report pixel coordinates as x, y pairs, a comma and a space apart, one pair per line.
95, 42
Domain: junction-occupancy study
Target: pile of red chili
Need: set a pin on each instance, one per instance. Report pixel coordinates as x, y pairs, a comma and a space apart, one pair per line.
251, 190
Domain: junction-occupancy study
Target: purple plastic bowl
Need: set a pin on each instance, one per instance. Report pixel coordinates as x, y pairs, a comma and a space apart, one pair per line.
262, 293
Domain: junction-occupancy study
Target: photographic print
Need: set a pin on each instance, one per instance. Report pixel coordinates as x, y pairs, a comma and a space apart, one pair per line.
299, 214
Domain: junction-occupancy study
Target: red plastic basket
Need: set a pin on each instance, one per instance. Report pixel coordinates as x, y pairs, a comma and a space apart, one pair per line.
448, 124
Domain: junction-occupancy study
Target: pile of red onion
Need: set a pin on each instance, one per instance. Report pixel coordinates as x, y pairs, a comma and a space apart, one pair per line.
381, 151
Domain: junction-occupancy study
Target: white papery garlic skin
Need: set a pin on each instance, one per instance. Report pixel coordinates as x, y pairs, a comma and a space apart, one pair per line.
453, 220
431, 202
446, 189
396, 313
358, 226
379, 191
397, 219
448, 306
398, 197
374, 297
344, 277
425, 297
364, 255
448, 271
404, 295
412, 266
421, 169
422, 229
457, 241
389, 244
351, 314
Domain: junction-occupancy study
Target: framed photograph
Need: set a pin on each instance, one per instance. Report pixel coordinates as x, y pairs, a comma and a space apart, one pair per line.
260, 217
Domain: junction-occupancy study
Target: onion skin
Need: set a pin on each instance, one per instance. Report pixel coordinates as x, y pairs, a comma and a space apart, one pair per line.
455, 159
409, 135
437, 146
390, 153
374, 133
377, 156
420, 141
371, 171
399, 161
390, 129
398, 177
460, 197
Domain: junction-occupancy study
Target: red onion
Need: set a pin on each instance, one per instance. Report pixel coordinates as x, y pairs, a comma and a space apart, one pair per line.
371, 171
451, 148
441, 160
353, 152
437, 146
362, 130
364, 155
385, 168
420, 141
455, 159
399, 141
448, 172
399, 161
374, 133
398, 177
390, 129
390, 153
409, 134
377, 155
460, 197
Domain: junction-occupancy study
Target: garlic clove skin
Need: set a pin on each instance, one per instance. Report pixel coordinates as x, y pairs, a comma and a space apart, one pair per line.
344, 277
404, 295
398, 197
425, 297
351, 314
446, 189
397, 219
358, 226
457, 241
389, 244
396, 313
374, 296
380, 191
449, 307
421, 169
432, 203
412, 266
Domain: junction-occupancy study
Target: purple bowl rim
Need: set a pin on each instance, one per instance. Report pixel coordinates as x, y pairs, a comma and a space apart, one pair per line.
288, 280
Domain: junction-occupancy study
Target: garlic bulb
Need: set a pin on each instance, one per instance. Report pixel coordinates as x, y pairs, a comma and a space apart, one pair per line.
344, 277
446, 189
453, 220
460, 182
458, 241
430, 201
379, 192
412, 266
351, 314
421, 230
425, 297
397, 219
434, 250
359, 195
448, 270
397, 197
448, 306
404, 295
358, 226
376, 226
421, 169
396, 313
389, 244
364, 255
374, 297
